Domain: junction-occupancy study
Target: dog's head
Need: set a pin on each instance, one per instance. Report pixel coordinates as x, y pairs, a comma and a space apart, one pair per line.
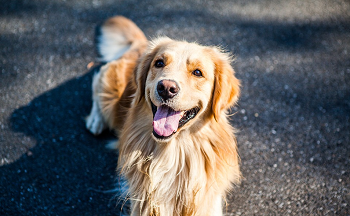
184, 83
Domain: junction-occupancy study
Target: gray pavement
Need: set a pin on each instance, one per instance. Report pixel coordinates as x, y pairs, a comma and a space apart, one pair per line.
293, 119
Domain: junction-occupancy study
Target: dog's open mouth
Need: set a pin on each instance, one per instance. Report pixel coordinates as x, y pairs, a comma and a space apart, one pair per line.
167, 121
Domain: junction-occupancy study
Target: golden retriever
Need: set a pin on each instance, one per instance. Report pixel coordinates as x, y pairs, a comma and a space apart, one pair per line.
168, 101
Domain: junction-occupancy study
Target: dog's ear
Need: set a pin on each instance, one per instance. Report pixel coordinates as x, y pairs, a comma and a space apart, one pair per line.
226, 85
140, 75
144, 65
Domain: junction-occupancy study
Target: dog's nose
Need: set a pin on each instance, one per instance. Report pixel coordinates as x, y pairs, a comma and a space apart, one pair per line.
167, 89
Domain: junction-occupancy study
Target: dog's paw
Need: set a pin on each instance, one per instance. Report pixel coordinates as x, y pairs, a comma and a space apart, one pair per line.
95, 122
113, 145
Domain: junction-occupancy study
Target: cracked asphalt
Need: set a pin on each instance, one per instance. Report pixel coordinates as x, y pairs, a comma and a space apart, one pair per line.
292, 120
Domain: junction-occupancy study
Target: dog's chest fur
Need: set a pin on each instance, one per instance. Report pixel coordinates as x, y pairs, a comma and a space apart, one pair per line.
172, 176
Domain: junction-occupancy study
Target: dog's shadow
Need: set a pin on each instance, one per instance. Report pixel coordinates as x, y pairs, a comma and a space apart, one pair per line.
68, 171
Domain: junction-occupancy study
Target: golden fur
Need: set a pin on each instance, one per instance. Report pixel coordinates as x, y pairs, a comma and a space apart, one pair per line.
189, 172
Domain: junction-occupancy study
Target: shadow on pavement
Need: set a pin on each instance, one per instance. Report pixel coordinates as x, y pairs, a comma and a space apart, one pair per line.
68, 171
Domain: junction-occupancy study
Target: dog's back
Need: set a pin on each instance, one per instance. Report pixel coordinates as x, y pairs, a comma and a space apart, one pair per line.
119, 43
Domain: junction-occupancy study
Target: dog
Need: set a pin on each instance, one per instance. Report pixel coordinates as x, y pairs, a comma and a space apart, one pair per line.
168, 102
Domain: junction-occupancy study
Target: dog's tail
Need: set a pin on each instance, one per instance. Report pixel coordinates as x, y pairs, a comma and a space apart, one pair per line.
116, 36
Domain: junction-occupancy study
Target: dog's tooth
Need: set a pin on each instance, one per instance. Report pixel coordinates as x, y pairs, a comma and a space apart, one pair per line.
182, 113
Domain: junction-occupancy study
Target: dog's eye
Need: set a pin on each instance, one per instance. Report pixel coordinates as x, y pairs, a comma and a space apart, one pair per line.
159, 64
197, 73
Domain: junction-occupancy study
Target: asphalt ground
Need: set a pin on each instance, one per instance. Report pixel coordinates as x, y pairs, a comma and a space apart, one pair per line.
293, 118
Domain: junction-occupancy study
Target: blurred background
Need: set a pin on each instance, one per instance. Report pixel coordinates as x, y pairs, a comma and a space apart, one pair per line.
292, 121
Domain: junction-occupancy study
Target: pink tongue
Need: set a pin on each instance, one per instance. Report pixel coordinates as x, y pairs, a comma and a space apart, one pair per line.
166, 121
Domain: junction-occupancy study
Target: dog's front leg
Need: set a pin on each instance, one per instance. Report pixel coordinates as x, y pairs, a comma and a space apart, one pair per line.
94, 121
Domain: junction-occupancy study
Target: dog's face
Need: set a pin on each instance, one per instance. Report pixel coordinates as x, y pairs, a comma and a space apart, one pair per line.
183, 82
